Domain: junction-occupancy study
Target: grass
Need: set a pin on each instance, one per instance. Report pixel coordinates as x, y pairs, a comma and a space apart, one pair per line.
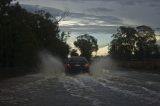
10, 73
151, 65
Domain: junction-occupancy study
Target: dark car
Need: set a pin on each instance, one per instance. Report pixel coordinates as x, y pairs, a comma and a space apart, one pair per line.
77, 64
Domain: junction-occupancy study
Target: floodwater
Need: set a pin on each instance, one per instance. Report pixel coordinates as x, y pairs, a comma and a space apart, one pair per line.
102, 87
117, 88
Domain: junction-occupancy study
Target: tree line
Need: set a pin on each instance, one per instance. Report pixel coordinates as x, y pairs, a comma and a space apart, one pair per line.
134, 43
24, 34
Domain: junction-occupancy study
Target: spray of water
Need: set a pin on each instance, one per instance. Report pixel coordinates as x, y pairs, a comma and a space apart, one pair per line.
50, 65
102, 66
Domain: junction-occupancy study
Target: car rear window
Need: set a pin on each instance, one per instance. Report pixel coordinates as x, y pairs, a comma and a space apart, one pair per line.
83, 60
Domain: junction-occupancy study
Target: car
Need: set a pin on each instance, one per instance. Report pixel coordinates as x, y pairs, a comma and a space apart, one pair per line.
77, 64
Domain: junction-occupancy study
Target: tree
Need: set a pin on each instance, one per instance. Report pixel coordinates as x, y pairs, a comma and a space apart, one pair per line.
48, 34
123, 43
64, 36
74, 52
18, 43
146, 42
24, 34
133, 43
86, 44
4, 4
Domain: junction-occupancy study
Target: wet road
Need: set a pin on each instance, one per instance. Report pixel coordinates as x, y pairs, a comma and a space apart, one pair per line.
109, 88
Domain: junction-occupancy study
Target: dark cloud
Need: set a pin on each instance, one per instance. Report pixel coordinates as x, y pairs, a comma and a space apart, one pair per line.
88, 22
100, 9
91, 29
157, 31
126, 2
34, 8
57, 12
108, 19
84, 19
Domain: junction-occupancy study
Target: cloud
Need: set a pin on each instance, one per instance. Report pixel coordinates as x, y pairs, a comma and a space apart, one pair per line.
125, 12
86, 19
57, 12
81, 22
158, 40
121, 2
92, 24
34, 8
91, 29
111, 19
103, 51
128, 2
99, 9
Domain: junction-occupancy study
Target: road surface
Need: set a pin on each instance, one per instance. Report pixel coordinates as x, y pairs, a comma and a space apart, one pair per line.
111, 88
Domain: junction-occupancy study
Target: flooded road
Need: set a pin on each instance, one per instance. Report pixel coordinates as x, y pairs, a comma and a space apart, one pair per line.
111, 88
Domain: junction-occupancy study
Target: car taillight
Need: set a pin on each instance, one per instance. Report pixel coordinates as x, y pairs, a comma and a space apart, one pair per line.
86, 65
67, 65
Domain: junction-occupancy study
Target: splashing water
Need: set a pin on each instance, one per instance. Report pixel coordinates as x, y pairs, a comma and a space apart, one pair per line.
51, 66
102, 66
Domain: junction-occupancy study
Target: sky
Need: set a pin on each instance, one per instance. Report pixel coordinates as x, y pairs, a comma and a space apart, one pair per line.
101, 18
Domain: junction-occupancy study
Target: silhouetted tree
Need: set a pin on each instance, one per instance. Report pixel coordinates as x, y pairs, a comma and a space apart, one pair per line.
146, 42
24, 34
74, 52
18, 42
133, 43
64, 36
86, 44
123, 43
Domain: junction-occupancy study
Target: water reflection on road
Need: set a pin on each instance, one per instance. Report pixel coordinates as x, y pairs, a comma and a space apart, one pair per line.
112, 88
116, 88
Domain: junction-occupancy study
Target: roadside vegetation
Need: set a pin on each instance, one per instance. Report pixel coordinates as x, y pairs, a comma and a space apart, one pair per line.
135, 47
23, 35
86, 45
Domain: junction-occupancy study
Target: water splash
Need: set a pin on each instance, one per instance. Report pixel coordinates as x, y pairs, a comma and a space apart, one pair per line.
51, 66
102, 66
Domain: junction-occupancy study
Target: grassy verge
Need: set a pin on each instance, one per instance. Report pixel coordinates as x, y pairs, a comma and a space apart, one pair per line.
10, 73
141, 65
